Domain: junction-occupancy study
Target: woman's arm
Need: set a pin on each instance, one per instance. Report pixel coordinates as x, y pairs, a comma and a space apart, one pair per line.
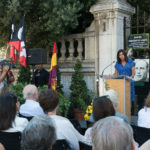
3, 75
116, 72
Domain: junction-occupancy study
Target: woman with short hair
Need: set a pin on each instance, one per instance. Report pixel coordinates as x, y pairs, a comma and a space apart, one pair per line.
49, 101
102, 107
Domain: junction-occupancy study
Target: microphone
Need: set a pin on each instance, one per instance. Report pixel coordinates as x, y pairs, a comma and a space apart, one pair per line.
106, 68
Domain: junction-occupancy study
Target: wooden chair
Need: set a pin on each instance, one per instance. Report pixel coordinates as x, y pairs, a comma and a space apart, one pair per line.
10, 140
61, 145
28, 118
141, 134
84, 146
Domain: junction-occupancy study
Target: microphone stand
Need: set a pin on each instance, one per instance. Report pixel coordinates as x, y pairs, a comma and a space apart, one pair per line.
105, 69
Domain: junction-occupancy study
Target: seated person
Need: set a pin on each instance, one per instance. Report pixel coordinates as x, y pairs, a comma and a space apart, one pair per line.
102, 107
49, 101
9, 106
113, 96
39, 134
112, 133
144, 114
31, 107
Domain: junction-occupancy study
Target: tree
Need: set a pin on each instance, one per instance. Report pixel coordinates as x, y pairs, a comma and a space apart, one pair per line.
46, 20
86, 18
79, 92
59, 85
24, 75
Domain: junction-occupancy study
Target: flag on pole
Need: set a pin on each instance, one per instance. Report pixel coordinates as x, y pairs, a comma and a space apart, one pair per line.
18, 42
53, 70
22, 55
12, 48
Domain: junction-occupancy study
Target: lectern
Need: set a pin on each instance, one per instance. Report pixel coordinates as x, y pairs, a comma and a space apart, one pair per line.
121, 84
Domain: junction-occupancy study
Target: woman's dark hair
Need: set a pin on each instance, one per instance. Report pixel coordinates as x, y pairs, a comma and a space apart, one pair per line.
102, 107
124, 53
8, 110
48, 100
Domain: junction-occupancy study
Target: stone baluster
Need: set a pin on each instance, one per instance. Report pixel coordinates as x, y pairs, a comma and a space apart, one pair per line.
62, 50
71, 50
79, 48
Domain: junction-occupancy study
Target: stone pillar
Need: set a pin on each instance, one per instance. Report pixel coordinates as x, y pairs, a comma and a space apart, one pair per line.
109, 16
62, 50
79, 49
71, 50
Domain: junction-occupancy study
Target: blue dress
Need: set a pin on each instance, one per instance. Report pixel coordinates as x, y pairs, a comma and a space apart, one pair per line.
127, 70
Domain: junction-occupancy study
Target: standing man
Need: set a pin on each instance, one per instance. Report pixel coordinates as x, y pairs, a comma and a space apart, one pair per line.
40, 76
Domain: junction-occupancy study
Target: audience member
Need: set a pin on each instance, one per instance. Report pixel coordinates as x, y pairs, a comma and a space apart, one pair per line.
39, 134
144, 114
49, 101
31, 107
113, 96
102, 107
40, 76
112, 133
9, 106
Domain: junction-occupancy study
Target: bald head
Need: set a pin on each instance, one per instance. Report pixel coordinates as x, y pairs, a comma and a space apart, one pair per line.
30, 92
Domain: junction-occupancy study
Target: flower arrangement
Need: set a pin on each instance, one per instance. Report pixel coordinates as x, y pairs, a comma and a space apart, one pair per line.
89, 110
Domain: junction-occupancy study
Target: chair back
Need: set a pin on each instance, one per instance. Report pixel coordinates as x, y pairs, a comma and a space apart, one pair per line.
61, 145
28, 118
84, 146
141, 134
10, 140
76, 125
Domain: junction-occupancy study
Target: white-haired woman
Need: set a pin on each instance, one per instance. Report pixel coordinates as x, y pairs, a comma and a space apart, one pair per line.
113, 96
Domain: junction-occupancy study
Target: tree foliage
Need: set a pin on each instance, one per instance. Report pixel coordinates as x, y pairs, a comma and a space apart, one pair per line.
45, 20
79, 92
24, 75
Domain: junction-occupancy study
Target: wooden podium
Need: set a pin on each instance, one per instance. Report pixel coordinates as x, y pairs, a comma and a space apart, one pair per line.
121, 85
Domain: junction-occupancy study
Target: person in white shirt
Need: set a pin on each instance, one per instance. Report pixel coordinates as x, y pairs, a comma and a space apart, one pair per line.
31, 107
9, 106
49, 101
144, 114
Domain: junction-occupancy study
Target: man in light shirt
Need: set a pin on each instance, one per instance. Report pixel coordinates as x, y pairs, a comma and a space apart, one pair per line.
31, 107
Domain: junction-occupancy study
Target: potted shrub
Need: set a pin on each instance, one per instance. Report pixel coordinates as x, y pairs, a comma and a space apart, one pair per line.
79, 92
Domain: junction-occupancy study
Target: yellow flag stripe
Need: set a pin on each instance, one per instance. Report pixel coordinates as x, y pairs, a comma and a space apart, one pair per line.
53, 61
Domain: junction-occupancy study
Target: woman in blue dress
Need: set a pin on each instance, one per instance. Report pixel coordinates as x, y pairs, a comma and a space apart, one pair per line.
125, 66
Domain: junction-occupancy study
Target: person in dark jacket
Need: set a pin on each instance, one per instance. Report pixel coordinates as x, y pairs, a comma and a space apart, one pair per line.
40, 76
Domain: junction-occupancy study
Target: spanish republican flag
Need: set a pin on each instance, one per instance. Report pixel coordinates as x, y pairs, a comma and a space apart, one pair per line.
53, 70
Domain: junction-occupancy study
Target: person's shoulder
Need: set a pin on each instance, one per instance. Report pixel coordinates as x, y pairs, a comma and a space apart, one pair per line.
20, 120
44, 70
63, 120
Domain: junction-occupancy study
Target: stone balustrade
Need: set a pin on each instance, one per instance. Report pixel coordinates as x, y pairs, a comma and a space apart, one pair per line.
71, 48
